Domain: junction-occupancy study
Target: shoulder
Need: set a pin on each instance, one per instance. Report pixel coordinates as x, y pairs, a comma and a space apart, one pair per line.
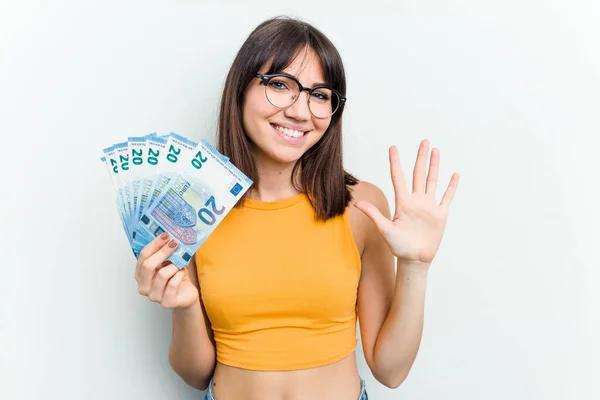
363, 228
371, 193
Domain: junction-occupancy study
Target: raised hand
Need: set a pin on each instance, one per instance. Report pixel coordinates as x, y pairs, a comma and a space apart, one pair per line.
415, 232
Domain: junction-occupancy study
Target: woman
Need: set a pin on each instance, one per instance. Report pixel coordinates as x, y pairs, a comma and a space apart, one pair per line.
268, 307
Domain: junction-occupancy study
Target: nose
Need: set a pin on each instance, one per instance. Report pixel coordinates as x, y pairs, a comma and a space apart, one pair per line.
299, 110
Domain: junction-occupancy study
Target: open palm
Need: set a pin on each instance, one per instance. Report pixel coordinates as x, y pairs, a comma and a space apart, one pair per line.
415, 232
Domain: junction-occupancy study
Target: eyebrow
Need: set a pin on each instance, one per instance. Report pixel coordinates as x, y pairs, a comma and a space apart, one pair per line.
313, 85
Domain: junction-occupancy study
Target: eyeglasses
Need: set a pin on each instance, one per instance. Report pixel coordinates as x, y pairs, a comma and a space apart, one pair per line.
283, 90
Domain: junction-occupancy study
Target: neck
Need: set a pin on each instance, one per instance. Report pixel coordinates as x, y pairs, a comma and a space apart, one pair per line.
275, 180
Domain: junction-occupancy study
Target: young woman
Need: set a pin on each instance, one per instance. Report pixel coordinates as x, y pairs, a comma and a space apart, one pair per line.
268, 308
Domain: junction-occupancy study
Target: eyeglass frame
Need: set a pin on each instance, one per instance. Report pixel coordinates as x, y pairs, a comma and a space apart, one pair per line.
266, 78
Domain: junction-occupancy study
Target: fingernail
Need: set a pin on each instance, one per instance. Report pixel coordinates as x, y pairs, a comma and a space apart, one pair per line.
164, 236
173, 243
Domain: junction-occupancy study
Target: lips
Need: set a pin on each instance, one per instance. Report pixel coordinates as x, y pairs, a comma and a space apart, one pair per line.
289, 130
289, 139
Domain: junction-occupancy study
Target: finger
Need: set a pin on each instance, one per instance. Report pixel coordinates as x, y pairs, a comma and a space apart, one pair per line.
162, 265
398, 181
449, 194
169, 299
154, 246
148, 250
160, 280
373, 212
432, 175
420, 164
153, 262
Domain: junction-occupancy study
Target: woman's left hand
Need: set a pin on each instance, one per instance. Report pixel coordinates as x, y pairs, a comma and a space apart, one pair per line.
415, 232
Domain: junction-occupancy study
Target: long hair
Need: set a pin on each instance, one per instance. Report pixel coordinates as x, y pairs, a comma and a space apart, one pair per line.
322, 175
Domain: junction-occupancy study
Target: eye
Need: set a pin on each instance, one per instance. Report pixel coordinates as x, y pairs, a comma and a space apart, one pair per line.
278, 85
321, 96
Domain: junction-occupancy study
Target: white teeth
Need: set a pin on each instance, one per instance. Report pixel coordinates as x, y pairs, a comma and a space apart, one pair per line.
289, 132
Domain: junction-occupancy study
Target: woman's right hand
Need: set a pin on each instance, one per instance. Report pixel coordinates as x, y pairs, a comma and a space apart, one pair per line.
162, 281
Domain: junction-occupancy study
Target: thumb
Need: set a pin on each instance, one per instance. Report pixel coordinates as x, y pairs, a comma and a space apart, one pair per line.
372, 212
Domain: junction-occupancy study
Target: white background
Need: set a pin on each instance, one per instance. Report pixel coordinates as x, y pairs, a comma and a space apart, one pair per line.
507, 90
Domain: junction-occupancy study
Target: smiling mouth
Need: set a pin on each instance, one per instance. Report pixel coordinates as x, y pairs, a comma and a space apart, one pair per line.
289, 132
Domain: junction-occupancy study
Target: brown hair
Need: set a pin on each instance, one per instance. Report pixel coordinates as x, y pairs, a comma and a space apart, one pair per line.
322, 175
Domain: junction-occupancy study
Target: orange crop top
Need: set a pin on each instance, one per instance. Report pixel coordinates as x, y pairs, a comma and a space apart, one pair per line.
280, 288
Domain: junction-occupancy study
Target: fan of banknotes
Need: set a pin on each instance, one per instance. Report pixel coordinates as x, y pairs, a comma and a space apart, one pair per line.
171, 184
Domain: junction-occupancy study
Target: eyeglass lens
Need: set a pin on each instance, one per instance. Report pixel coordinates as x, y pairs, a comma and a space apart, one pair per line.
283, 92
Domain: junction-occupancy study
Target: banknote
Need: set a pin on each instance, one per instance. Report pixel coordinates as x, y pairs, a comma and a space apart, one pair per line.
170, 183
166, 155
111, 161
118, 202
195, 201
141, 181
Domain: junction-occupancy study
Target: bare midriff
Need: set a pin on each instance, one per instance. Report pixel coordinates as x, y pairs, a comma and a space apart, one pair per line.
336, 381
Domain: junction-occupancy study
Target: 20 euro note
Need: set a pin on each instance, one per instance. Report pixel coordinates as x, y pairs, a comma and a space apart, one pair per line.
111, 161
113, 168
194, 202
170, 158
116, 160
118, 202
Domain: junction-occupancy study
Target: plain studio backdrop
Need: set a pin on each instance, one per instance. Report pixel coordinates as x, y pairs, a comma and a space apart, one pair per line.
507, 90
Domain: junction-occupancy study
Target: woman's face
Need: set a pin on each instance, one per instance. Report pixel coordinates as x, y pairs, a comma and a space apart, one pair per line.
264, 123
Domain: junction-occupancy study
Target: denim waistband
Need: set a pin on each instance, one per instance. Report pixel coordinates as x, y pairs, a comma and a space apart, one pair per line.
362, 396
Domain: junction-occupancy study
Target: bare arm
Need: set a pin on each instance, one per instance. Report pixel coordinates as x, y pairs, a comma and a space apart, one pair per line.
390, 304
394, 321
192, 353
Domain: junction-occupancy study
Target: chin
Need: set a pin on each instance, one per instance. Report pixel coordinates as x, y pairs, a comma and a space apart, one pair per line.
284, 156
